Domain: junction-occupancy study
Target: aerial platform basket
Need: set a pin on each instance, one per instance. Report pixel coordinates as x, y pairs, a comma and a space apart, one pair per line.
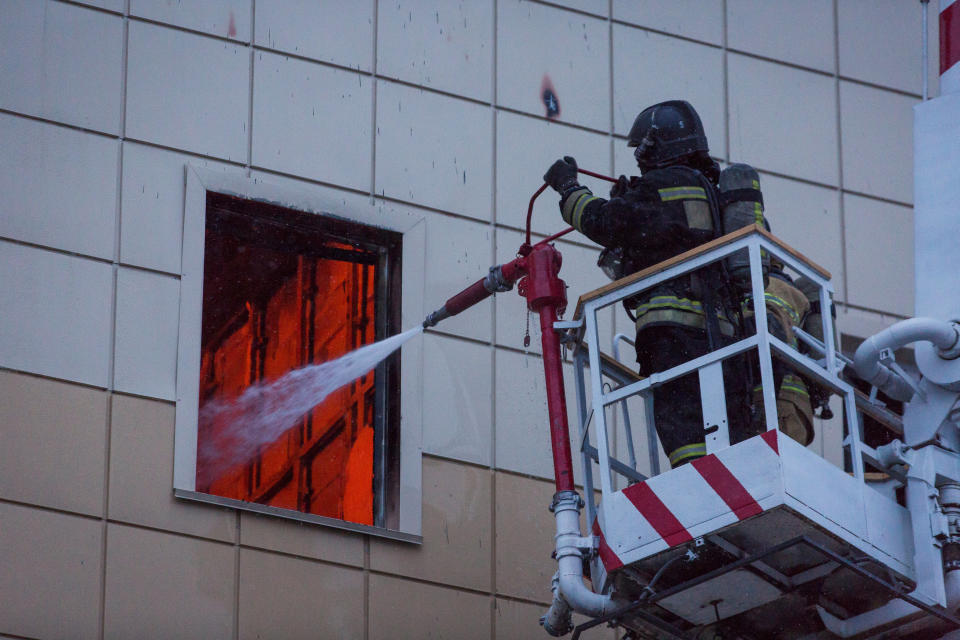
762, 533
769, 498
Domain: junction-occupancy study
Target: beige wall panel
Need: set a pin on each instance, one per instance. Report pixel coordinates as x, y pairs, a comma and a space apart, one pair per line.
224, 18
798, 32
166, 586
58, 186
880, 42
151, 205
300, 539
526, 147
457, 539
434, 150
534, 42
515, 620
457, 399
283, 597
697, 19
141, 474
649, 68
876, 127
50, 582
147, 327
525, 531
308, 28
53, 443
598, 9
879, 239
61, 62
807, 218
783, 119
404, 609
522, 421
312, 120
109, 5
446, 46
57, 314
178, 101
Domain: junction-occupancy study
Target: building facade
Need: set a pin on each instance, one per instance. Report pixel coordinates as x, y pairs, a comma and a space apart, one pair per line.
442, 114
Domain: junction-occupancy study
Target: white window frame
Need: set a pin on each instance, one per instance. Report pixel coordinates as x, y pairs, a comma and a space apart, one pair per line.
199, 181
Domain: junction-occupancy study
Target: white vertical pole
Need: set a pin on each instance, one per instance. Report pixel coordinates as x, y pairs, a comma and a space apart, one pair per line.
936, 158
713, 404
763, 338
582, 417
924, 53
653, 441
599, 411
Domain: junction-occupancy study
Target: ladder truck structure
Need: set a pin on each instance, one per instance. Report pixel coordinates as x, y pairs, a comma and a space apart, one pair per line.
764, 538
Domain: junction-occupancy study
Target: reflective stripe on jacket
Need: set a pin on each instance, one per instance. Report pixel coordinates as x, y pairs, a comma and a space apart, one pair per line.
787, 303
665, 309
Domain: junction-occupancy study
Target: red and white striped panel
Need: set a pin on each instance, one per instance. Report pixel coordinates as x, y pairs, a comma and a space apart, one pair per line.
690, 501
949, 46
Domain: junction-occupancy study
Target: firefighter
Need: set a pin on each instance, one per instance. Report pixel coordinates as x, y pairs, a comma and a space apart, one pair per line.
787, 306
670, 208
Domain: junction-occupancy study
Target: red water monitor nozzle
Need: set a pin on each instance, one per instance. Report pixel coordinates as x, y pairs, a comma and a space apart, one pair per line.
500, 278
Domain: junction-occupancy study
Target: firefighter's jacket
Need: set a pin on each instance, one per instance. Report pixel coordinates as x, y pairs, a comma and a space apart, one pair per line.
654, 218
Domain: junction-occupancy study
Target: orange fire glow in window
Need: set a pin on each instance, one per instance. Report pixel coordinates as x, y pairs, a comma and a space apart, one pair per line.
276, 300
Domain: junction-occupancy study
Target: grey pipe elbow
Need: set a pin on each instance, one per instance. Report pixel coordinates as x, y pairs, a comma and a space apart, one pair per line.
558, 620
569, 591
866, 360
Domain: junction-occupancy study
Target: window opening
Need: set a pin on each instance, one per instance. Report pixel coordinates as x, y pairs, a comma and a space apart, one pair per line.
283, 289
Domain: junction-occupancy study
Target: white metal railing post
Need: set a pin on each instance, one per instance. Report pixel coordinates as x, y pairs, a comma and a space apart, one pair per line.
763, 341
584, 421
599, 409
826, 321
713, 407
653, 443
854, 434
627, 425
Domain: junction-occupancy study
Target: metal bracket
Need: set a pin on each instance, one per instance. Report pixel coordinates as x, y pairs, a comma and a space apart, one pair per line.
587, 544
568, 324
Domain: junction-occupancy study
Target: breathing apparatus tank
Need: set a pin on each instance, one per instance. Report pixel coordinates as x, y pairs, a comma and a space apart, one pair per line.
741, 203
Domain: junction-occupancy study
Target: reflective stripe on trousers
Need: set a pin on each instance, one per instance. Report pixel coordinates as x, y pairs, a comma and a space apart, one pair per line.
687, 452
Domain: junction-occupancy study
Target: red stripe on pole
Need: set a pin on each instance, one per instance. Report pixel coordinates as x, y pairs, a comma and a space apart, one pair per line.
657, 514
609, 559
949, 37
770, 437
727, 486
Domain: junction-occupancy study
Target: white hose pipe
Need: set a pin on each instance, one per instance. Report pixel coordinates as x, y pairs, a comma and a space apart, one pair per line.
558, 620
866, 360
570, 593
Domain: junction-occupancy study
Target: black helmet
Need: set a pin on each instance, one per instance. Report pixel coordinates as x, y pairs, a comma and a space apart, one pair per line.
666, 131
